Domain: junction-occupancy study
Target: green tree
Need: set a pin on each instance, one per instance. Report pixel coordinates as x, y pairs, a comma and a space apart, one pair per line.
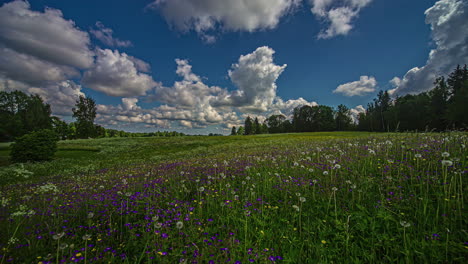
61, 128
439, 104
21, 114
257, 129
458, 101
85, 113
275, 123
342, 119
233, 131
240, 130
248, 126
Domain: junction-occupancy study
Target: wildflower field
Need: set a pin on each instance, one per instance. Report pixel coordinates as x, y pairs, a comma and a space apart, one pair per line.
297, 198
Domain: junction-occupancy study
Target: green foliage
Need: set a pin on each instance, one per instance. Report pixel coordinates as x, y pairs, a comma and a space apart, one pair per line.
36, 146
442, 108
21, 114
85, 113
343, 120
249, 126
233, 131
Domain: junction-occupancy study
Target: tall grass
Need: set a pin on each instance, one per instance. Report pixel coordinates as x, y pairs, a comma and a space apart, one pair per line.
287, 199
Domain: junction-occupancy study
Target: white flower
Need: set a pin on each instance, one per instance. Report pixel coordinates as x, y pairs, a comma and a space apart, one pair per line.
418, 156
348, 182
86, 237
447, 163
58, 236
90, 215
155, 218
296, 207
311, 170
371, 151
201, 189
334, 189
325, 173
445, 154
179, 225
337, 167
405, 224
302, 199
298, 194
157, 225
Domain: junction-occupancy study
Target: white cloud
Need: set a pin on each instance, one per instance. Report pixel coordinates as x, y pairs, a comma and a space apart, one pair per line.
281, 107
255, 76
362, 87
338, 14
104, 34
61, 96
115, 74
47, 36
40, 52
448, 20
32, 70
204, 16
354, 113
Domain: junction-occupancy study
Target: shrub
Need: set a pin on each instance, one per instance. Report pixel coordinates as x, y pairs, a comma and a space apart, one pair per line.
40, 145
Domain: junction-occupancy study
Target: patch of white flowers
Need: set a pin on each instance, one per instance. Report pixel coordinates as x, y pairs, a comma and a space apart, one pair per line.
48, 188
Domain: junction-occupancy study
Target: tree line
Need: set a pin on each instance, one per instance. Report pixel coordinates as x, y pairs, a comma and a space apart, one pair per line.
21, 114
445, 107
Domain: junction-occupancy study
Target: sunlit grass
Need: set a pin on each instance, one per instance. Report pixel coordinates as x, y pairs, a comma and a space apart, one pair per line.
295, 198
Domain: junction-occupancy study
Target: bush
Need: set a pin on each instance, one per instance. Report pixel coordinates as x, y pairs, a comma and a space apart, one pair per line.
36, 146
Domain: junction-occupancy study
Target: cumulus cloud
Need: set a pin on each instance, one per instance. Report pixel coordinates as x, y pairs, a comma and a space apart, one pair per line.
116, 74
44, 35
354, 113
450, 36
195, 104
30, 69
203, 16
255, 76
40, 52
61, 96
362, 87
104, 35
337, 14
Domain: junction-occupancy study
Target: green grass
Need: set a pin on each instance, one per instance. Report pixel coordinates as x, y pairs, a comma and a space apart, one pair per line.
293, 198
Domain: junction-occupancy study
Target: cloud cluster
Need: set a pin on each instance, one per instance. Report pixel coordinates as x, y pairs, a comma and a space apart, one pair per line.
46, 36
60, 95
40, 52
104, 35
364, 86
337, 14
116, 74
204, 16
448, 20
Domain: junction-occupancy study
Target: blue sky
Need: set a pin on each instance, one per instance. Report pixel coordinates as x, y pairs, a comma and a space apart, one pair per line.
294, 52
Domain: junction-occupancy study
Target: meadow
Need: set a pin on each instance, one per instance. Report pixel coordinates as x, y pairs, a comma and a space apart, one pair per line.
346, 197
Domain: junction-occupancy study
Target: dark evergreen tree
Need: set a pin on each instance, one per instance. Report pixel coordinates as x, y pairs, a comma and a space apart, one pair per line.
342, 119
457, 112
233, 131
248, 126
257, 129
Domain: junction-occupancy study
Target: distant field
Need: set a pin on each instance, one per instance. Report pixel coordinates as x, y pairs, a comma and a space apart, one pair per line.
346, 197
